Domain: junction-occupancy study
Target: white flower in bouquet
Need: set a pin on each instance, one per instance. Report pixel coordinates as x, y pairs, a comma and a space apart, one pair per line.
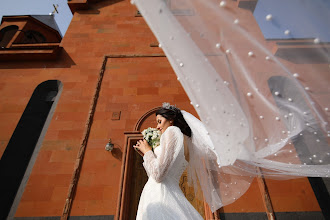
152, 136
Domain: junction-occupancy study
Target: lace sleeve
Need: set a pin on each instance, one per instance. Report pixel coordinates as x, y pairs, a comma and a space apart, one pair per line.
170, 144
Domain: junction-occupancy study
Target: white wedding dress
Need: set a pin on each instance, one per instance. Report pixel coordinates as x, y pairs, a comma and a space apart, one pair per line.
162, 197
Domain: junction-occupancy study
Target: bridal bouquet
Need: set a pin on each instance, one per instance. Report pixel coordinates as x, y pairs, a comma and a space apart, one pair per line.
152, 136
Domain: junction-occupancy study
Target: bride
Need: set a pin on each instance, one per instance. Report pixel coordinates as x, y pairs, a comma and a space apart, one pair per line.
162, 197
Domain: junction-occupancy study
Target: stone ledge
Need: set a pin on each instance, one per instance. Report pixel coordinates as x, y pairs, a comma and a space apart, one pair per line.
302, 51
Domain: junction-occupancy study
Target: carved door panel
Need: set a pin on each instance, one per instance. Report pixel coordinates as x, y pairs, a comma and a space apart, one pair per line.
190, 194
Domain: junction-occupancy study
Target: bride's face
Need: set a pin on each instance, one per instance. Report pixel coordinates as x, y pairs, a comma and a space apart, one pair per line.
162, 123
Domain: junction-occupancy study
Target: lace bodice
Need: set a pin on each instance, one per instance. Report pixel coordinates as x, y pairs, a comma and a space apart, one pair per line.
167, 160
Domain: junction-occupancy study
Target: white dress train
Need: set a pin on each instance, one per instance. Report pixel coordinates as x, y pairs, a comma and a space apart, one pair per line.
162, 197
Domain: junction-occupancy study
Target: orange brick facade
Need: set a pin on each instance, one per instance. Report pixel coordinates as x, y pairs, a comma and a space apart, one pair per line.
132, 86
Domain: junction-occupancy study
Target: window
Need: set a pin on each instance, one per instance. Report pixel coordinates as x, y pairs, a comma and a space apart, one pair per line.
306, 142
33, 37
6, 34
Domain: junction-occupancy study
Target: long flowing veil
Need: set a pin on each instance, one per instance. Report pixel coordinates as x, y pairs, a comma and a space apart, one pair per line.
258, 80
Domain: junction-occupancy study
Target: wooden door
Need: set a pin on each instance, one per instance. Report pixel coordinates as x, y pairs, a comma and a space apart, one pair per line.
137, 181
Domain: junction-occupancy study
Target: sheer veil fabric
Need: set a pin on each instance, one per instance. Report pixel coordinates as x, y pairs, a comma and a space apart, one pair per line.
258, 111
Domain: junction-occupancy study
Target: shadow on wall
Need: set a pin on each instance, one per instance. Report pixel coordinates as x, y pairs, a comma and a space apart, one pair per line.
94, 7
117, 153
63, 61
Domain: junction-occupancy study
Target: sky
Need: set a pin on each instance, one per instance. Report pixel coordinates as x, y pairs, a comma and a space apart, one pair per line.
303, 18
38, 7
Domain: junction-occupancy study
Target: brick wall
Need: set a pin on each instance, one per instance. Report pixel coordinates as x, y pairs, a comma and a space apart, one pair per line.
131, 86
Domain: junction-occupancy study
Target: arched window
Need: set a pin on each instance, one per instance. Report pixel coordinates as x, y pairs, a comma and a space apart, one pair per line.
21, 152
6, 34
33, 37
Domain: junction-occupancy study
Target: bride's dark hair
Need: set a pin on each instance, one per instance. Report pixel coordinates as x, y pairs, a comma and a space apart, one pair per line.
176, 116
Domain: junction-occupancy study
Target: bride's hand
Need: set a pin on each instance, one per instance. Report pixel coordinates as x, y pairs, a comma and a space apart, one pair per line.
143, 146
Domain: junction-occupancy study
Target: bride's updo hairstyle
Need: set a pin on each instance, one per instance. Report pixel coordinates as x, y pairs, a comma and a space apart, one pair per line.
174, 114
